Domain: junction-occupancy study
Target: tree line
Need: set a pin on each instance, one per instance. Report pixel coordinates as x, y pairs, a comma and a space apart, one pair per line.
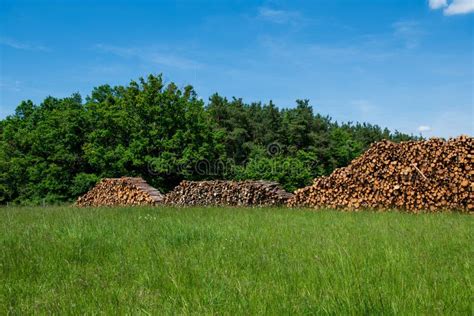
57, 150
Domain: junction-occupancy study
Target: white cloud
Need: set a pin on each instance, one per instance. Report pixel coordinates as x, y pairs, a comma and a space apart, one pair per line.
437, 4
279, 16
22, 46
424, 128
454, 7
459, 7
150, 56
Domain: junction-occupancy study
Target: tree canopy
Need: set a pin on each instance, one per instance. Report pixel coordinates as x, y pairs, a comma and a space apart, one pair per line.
57, 150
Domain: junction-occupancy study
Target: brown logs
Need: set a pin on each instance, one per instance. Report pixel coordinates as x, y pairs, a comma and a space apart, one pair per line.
243, 193
417, 176
120, 191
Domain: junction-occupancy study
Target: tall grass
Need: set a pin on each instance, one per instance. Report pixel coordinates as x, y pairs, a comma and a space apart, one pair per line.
233, 261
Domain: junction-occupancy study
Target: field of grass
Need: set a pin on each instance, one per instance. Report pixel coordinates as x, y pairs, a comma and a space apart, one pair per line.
233, 261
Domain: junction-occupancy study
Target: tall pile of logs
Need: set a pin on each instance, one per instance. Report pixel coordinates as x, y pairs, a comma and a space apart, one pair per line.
415, 176
121, 192
242, 193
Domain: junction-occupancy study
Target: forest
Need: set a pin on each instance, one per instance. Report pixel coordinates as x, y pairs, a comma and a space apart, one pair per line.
55, 151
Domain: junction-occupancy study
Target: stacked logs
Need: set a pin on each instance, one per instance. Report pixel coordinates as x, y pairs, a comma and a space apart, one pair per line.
242, 193
416, 176
121, 192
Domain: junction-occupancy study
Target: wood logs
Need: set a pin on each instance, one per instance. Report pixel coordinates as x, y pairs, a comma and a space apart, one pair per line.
417, 176
120, 191
242, 193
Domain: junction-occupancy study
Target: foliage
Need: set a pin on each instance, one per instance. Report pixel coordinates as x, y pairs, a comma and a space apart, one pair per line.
56, 150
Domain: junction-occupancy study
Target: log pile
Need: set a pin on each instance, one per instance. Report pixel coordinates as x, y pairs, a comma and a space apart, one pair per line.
121, 192
241, 193
416, 176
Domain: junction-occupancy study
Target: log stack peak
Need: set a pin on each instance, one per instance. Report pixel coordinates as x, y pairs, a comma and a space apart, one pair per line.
417, 176
121, 192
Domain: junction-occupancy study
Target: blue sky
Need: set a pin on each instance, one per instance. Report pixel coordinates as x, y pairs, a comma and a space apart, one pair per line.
405, 64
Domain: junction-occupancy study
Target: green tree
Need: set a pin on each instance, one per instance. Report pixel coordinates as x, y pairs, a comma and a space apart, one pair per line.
57, 150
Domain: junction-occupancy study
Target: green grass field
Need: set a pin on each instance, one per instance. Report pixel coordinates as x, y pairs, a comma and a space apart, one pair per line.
233, 261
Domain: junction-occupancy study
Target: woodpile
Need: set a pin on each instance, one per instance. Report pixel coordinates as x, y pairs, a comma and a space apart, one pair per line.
241, 193
120, 192
416, 176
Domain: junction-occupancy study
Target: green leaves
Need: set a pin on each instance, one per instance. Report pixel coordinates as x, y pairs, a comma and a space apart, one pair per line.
164, 133
82, 182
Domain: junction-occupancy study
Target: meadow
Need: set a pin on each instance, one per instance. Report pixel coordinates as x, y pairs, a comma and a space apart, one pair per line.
159, 260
